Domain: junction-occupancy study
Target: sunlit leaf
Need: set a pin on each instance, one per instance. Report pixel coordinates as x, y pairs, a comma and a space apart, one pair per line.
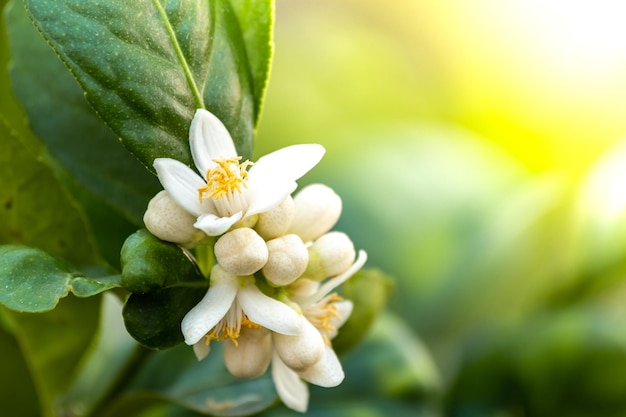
156, 63
33, 281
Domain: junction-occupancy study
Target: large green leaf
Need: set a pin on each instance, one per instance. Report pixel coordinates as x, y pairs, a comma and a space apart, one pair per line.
156, 63
51, 343
33, 281
59, 114
175, 377
36, 209
17, 392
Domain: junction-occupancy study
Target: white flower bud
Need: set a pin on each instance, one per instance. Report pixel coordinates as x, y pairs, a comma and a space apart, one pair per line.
275, 222
168, 221
288, 259
252, 354
330, 255
317, 209
241, 251
301, 351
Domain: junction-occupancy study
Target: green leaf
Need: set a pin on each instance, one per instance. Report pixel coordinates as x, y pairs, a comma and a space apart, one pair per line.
156, 63
36, 209
17, 392
112, 356
256, 19
369, 291
51, 343
34, 281
175, 377
62, 118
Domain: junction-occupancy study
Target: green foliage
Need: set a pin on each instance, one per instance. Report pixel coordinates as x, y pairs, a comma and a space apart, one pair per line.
34, 281
184, 55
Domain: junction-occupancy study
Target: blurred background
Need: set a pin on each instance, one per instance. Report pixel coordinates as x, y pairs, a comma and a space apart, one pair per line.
479, 148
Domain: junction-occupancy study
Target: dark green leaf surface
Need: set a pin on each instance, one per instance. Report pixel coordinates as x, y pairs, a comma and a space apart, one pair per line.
156, 63
205, 387
59, 114
52, 364
33, 281
35, 208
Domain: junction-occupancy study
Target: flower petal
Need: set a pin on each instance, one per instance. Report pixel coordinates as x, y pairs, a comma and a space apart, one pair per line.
212, 308
327, 372
209, 139
289, 163
267, 195
182, 184
268, 312
251, 356
213, 225
201, 349
344, 309
292, 391
334, 282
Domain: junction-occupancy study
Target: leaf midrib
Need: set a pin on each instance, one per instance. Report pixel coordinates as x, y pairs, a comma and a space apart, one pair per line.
199, 102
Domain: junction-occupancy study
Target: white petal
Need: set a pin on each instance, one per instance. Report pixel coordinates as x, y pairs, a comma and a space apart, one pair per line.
213, 225
292, 391
325, 373
344, 309
289, 163
209, 140
201, 349
334, 282
252, 354
265, 194
301, 351
182, 184
212, 308
268, 312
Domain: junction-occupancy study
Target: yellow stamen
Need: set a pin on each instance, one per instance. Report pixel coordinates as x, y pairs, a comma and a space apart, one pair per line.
226, 177
322, 316
223, 331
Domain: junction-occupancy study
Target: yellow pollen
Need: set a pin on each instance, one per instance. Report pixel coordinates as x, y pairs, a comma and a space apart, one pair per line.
222, 332
227, 176
322, 316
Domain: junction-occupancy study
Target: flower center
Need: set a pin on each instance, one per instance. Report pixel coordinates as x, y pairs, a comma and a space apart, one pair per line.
230, 326
321, 315
227, 176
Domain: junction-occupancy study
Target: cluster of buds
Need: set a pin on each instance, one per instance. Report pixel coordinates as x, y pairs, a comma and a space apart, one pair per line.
271, 297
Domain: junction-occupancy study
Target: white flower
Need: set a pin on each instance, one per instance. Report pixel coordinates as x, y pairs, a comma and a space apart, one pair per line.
233, 303
229, 190
168, 221
326, 312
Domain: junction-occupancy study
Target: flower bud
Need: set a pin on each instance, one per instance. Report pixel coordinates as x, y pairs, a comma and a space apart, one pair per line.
330, 255
168, 221
252, 354
288, 259
317, 209
275, 222
301, 351
241, 251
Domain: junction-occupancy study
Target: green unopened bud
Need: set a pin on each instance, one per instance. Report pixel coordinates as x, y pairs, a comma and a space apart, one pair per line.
288, 259
241, 251
275, 222
330, 255
317, 209
149, 263
168, 221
